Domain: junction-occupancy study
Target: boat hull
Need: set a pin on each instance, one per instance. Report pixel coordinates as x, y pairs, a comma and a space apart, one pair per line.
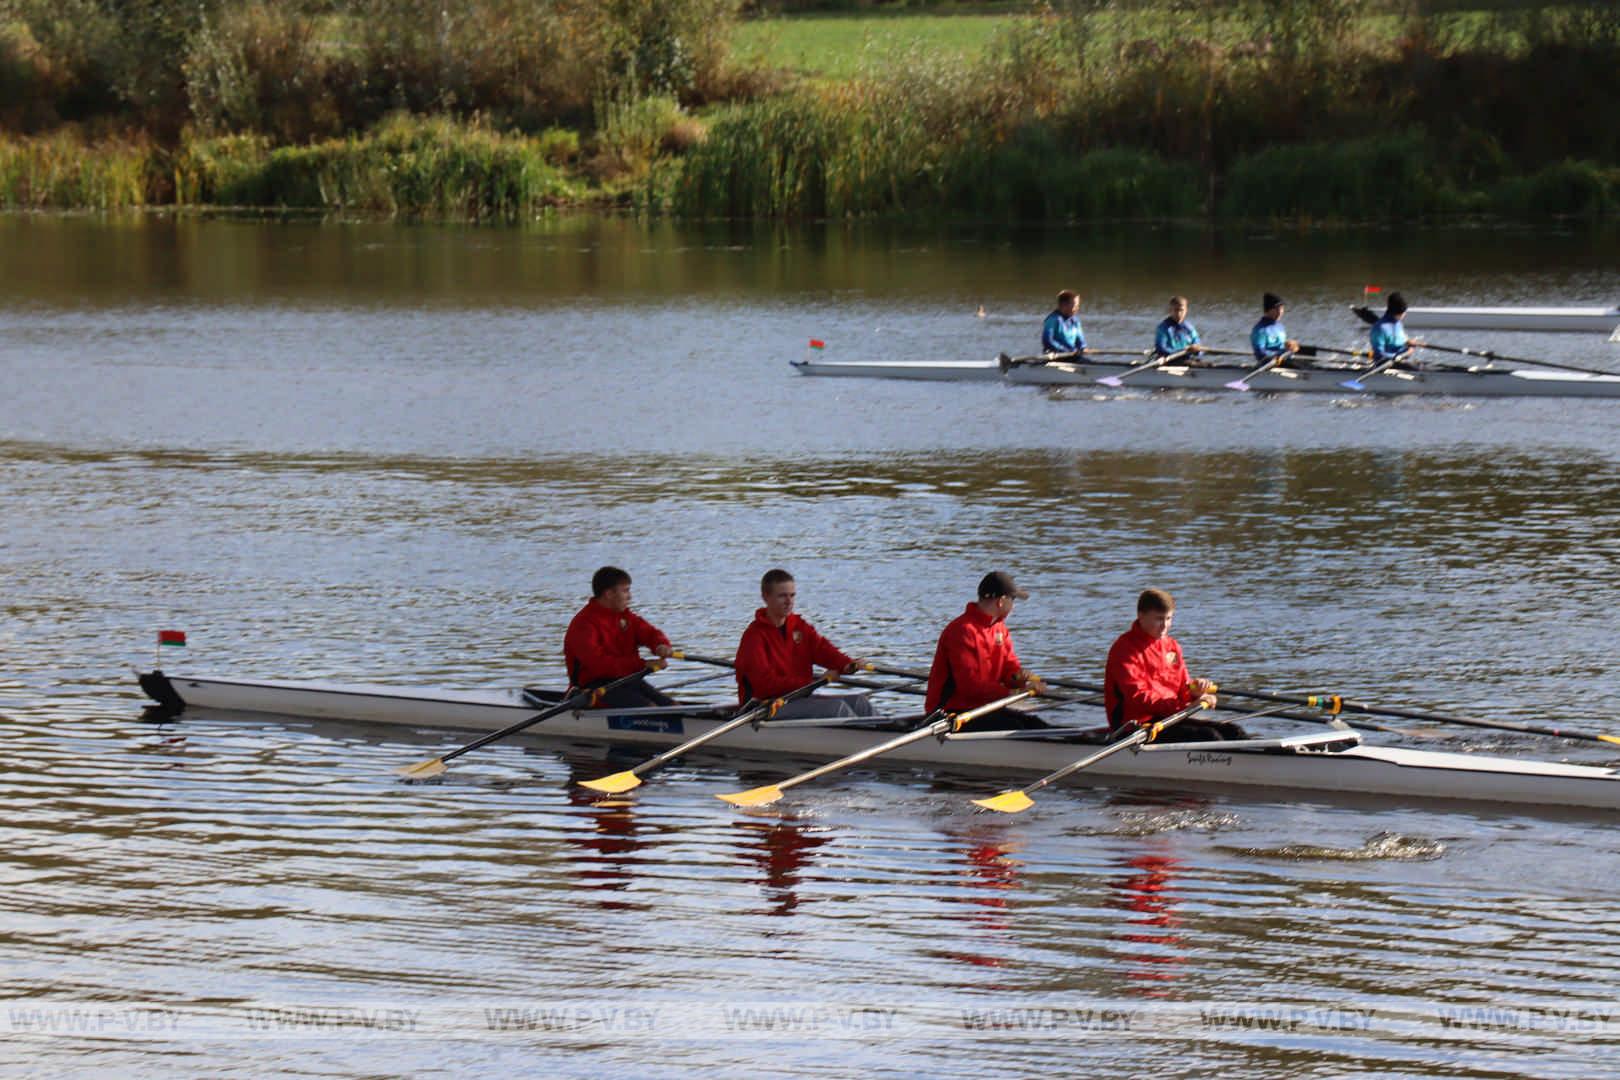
1482, 381
923, 370
1323, 762
1452, 382
1572, 319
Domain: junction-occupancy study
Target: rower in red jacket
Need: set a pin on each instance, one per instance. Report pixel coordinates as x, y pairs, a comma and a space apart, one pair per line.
1146, 678
604, 640
778, 651
974, 663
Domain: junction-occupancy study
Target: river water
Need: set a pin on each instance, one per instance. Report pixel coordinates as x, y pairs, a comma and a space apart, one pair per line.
396, 453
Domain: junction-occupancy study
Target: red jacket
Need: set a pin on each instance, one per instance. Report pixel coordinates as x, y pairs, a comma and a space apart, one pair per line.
601, 644
772, 660
1146, 678
973, 665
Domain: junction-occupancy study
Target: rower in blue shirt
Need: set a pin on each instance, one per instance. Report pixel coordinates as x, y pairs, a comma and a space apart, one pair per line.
1269, 338
1062, 333
1388, 336
1175, 334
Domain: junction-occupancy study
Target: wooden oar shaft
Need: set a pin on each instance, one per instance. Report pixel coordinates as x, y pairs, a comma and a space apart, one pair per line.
1333, 703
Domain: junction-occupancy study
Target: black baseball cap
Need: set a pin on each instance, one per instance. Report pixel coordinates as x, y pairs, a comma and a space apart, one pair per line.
1269, 301
1000, 583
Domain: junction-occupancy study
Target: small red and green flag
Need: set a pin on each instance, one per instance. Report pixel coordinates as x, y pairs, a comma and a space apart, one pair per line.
172, 637
817, 343
1367, 290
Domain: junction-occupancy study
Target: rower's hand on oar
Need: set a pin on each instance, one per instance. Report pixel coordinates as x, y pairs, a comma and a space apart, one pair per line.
663, 652
1028, 680
1203, 691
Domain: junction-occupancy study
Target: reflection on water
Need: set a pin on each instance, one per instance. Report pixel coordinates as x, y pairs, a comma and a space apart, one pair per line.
782, 851
1145, 895
397, 454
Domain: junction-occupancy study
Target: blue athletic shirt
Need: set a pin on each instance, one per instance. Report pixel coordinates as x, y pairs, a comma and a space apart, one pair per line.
1269, 339
1062, 335
1172, 336
1388, 338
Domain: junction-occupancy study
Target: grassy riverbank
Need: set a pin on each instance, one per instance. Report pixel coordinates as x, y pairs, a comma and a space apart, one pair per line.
1347, 110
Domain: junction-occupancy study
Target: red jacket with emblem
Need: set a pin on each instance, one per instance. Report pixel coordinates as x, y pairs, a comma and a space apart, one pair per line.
772, 660
974, 663
1146, 678
601, 644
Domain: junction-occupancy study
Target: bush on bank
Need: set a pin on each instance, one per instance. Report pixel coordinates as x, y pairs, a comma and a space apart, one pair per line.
1300, 109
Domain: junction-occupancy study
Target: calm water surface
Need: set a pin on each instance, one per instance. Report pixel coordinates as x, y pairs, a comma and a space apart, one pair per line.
393, 453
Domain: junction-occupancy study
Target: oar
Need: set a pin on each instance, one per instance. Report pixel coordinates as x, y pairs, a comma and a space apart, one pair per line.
434, 766
1487, 354
922, 676
1157, 361
1016, 799
694, 682
1093, 688
1355, 383
631, 778
1334, 704
1007, 361
937, 723
919, 676
1243, 383
1369, 316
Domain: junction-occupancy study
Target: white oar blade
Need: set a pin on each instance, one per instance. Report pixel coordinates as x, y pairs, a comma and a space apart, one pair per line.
1110, 380
1610, 738
425, 770
1008, 802
1353, 384
1237, 384
616, 784
760, 796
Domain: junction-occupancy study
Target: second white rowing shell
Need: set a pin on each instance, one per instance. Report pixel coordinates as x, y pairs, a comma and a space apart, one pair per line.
1585, 319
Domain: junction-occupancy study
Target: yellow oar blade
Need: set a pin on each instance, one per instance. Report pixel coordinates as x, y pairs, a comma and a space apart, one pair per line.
425, 770
613, 785
1610, 738
1008, 802
760, 796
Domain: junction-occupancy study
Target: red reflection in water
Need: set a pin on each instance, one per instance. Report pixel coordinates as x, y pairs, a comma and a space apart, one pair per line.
781, 849
612, 847
1145, 892
990, 870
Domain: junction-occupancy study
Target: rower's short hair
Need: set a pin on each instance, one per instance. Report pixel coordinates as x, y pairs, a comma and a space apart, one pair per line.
609, 577
773, 577
1066, 295
1155, 600
1177, 299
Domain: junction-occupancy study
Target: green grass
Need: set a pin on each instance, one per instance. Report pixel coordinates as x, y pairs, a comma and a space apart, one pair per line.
842, 46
